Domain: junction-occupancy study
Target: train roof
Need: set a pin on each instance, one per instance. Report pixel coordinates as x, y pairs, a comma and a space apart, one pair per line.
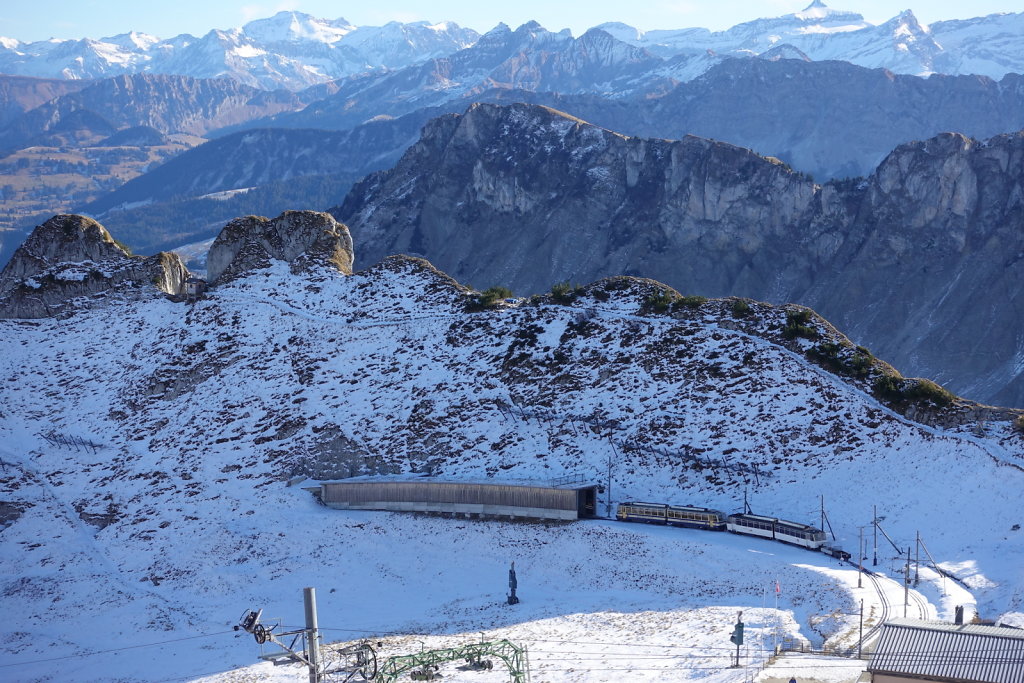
745, 515
763, 518
696, 508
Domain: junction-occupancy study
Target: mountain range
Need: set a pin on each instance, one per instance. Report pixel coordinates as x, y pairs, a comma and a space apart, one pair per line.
295, 50
168, 104
857, 119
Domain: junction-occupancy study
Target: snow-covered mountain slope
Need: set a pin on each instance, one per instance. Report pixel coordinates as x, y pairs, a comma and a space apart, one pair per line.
174, 516
291, 50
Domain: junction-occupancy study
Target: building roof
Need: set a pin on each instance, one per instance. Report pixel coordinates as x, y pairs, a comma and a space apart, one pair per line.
561, 485
941, 650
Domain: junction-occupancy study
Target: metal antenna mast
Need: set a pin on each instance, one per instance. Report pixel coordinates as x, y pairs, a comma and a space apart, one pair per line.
357, 660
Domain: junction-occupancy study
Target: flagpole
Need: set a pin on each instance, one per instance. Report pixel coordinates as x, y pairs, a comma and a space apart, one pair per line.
760, 644
776, 633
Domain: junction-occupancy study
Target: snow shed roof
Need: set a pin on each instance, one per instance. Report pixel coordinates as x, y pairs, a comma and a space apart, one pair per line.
943, 651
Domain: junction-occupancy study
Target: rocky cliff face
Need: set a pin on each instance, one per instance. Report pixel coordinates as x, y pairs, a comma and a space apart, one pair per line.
19, 94
71, 261
168, 104
515, 194
305, 239
931, 268
526, 197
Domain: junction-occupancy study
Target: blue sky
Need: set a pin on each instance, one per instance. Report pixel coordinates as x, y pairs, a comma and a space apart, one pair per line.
41, 19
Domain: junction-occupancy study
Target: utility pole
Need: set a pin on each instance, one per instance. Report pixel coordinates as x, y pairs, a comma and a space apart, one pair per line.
312, 634
608, 505
775, 631
906, 584
917, 559
874, 523
822, 525
860, 642
860, 557
356, 659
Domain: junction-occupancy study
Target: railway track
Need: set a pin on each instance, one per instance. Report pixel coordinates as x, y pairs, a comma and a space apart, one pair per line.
872, 633
917, 608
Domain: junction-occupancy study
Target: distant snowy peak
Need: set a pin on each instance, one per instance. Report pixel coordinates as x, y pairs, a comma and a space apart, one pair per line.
816, 18
295, 27
620, 31
818, 11
132, 41
983, 45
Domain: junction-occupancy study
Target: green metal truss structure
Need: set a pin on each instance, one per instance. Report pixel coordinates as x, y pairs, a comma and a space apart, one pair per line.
421, 665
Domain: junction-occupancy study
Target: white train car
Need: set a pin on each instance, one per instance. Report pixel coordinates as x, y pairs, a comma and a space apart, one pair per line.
794, 533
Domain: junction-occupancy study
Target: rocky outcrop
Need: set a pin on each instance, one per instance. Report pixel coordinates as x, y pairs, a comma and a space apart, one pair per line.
305, 239
72, 259
922, 261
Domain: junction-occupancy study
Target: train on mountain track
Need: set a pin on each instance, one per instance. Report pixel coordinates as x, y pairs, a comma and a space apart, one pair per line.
793, 533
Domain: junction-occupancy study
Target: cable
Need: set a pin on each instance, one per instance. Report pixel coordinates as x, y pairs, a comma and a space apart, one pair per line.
114, 649
923, 657
980, 652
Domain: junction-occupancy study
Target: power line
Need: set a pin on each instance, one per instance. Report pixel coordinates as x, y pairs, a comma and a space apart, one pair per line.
114, 649
967, 656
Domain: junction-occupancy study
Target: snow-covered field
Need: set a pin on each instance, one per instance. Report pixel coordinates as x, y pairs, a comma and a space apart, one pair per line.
134, 561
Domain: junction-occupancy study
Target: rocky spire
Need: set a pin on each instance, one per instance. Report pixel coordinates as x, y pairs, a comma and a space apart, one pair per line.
306, 239
72, 257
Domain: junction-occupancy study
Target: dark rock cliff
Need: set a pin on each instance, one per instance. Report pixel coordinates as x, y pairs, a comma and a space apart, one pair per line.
515, 195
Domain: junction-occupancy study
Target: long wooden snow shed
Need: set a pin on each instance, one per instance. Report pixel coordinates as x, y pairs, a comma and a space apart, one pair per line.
498, 500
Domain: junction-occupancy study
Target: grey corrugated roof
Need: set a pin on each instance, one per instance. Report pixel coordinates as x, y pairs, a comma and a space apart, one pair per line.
945, 651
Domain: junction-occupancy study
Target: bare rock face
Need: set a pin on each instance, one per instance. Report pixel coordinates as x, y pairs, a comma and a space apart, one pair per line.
71, 260
931, 272
526, 196
63, 238
305, 239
